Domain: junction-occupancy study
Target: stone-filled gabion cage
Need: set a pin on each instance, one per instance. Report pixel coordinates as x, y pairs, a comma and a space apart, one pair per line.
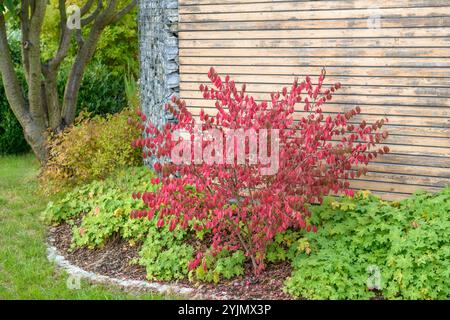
159, 65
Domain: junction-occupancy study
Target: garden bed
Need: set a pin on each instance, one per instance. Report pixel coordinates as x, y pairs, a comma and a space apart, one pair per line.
365, 248
115, 259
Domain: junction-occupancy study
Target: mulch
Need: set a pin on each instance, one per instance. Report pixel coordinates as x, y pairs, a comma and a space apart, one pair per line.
114, 260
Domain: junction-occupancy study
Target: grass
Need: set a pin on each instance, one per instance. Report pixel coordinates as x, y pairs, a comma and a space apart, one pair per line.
25, 272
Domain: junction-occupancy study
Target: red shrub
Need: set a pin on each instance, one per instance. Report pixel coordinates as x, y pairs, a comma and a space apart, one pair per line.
241, 203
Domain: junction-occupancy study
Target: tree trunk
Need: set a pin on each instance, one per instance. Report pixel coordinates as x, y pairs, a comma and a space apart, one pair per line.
52, 101
37, 139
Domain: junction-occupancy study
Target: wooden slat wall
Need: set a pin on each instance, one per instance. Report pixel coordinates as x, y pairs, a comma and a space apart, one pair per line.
401, 70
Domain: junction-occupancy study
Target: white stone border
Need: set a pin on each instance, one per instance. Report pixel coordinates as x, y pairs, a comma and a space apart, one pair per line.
61, 262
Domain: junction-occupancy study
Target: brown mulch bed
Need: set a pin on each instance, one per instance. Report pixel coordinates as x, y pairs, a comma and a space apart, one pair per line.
114, 258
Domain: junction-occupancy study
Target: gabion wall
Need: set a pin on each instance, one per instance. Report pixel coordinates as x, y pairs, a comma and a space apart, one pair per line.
159, 67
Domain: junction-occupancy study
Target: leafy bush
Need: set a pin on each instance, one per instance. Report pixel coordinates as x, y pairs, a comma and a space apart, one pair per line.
405, 242
243, 202
101, 91
91, 149
12, 140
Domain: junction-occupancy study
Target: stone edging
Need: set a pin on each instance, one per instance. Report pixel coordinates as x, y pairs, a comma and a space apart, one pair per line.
55, 256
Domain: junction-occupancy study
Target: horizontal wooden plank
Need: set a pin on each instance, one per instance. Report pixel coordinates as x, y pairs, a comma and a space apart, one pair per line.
283, 80
405, 22
301, 71
317, 33
415, 170
327, 13
313, 61
346, 90
316, 43
407, 179
390, 196
415, 141
316, 52
354, 100
396, 136
387, 187
412, 159
189, 7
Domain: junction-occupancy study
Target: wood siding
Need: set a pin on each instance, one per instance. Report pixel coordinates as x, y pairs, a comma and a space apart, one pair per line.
400, 70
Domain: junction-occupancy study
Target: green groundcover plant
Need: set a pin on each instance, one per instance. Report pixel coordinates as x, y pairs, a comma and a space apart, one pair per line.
364, 247
100, 212
398, 249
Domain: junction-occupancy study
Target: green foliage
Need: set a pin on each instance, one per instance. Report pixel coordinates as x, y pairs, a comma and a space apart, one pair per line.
91, 149
101, 92
287, 246
86, 198
9, 6
165, 255
132, 91
117, 47
104, 209
102, 89
97, 194
406, 241
12, 140
224, 265
100, 211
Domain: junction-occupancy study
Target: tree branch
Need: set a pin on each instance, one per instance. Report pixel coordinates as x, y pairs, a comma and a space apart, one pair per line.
64, 42
93, 15
79, 38
124, 11
11, 84
34, 56
25, 28
85, 9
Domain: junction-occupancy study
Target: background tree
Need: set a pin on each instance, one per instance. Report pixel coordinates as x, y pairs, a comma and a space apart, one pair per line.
37, 105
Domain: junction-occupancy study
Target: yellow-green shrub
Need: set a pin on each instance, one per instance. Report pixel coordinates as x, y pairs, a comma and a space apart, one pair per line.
90, 149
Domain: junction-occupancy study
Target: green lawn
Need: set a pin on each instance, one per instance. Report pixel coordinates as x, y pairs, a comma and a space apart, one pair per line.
25, 272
